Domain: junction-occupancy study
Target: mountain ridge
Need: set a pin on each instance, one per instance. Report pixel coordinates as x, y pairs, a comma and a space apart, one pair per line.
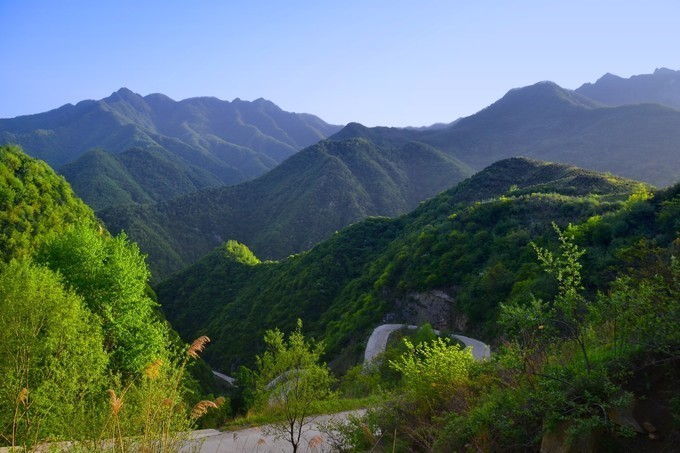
546, 122
660, 87
321, 189
231, 141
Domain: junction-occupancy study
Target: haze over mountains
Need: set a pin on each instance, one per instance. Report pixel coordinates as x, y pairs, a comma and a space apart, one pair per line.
547, 122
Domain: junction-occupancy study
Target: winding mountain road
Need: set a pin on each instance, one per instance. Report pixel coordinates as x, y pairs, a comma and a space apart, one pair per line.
377, 342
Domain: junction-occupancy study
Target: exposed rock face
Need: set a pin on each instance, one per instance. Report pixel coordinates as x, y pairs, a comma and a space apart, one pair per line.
435, 307
623, 416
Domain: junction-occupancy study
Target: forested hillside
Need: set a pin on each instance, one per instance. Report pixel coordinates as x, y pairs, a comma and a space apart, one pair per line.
571, 276
204, 140
301, 202
80, 334
134, 176
471, 243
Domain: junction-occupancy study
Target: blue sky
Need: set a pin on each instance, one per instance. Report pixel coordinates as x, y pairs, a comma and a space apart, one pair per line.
391, 63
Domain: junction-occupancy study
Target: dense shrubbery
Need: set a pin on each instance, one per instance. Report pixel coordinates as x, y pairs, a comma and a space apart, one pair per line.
84, 355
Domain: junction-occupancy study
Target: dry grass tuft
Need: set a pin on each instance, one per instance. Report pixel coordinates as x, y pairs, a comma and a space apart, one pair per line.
116, 403
201, 408
198, 346
368, 434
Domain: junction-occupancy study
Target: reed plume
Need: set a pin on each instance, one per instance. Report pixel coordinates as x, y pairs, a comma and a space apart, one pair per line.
23, 397
315, 442
201, 408
198, 346
116, 403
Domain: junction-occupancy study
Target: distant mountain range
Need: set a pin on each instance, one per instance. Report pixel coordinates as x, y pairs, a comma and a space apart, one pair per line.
129, 150
305, 201
547, 122
661, 87
196, 142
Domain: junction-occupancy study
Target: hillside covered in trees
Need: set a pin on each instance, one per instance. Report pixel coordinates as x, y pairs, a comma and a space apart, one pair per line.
301, 202
569, 274
80, 331
470, 242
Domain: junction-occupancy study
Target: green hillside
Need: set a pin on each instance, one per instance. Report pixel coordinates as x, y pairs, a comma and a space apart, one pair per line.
137, 176
35, 204
470, 243
204, 140
290, 209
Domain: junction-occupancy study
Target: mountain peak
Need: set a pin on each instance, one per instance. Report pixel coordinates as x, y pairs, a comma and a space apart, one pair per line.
608, 77
665, 72
124, 94
547, 97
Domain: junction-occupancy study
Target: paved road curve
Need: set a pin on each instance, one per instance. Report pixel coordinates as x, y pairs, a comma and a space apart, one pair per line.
377, 342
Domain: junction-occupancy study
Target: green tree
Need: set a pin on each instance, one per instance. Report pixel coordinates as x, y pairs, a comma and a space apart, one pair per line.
290, 378
51, 357
110, 274
566, 315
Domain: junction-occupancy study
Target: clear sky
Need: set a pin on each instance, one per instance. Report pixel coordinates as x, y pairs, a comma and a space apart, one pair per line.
391, 63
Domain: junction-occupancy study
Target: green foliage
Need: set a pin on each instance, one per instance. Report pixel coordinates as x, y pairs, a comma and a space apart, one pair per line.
290, 378
77, 323
51, 357
433, 369
110, 275
35, 204
567, 311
